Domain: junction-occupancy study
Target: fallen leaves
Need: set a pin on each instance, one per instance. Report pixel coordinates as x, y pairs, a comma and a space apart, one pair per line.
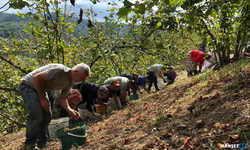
188, 143
221, 126
233, 139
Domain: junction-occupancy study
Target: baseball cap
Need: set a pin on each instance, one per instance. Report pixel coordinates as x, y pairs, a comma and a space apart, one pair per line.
115, 82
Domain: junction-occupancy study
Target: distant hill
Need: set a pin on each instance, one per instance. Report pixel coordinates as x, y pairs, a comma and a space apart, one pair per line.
15, 25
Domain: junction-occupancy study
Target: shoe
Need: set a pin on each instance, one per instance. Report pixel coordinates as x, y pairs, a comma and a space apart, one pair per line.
31, 147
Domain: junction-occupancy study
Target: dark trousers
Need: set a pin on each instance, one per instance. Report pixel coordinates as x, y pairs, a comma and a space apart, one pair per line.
152, 79
38, 118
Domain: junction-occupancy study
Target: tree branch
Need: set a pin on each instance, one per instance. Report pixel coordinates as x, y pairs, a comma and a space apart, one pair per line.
7, 117
5, 5
106, 52
209, 32
8, 61
9, 89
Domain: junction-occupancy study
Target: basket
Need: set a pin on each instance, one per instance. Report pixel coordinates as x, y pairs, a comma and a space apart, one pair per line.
134, 97
72, 138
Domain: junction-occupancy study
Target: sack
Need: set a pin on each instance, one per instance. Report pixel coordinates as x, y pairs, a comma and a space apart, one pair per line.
205, 66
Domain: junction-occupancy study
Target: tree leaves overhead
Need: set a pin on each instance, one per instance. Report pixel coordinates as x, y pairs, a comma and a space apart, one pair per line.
140, 9
158, 24
80, 15
127, 4
123, 12
19, 4
73, 2
166, 2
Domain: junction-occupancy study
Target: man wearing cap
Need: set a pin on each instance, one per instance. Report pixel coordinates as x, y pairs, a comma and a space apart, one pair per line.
154, 71
123, 83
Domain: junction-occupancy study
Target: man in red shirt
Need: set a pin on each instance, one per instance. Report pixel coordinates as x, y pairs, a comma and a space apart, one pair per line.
196, 57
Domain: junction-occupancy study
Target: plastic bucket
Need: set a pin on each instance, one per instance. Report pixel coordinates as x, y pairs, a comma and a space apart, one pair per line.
57, 124
84, 112
72, 138
134, 97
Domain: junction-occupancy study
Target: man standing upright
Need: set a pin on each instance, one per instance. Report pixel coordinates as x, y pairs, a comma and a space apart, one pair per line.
33, 88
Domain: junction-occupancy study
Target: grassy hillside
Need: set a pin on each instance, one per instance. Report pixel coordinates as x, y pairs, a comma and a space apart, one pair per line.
193, 113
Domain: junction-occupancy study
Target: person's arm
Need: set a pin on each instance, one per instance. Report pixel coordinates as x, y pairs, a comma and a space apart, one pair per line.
89, 105
65, 105
124, 97
160, 74
116, 101
145, 88
248, 54
139, 90
90, 99
38, 78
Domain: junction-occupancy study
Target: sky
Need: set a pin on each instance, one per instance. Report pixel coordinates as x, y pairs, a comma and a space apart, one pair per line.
100, 8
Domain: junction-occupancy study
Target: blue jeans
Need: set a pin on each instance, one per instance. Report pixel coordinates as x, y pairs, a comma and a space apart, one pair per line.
152, 79
38, 118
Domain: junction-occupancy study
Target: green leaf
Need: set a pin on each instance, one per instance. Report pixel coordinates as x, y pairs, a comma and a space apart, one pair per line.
174, 2
158, 24
62, 18
28, 13
160, 45
127, 4
166, 2
123, 12
140, 9
36, 17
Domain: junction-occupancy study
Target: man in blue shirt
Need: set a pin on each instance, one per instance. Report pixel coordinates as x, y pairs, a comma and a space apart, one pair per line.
141, 81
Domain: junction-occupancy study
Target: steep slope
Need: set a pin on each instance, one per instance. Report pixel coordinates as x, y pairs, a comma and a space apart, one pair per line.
193, 113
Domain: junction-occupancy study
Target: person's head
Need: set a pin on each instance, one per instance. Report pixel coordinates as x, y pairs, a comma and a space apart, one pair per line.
167, 67
80, 72
189, 54
74, 97
114, 84
136, 77
147, 79
102, 92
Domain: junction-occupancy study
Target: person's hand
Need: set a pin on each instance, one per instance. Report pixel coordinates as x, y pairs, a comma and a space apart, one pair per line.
74, 113
165, 81
44, 103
